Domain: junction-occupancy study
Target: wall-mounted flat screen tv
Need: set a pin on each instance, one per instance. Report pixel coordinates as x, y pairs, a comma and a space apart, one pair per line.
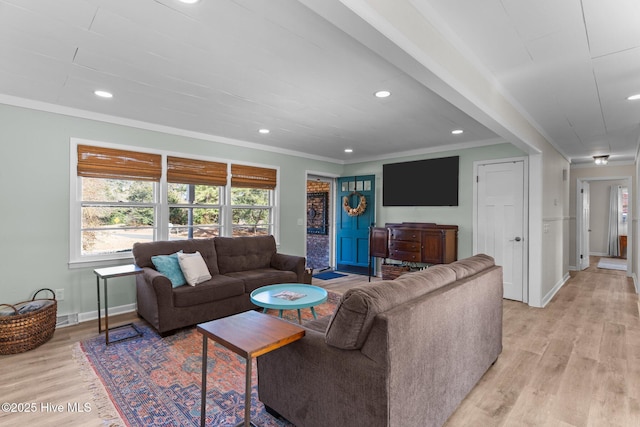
430, 182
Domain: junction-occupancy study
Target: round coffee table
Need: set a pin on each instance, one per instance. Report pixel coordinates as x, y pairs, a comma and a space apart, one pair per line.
289, 296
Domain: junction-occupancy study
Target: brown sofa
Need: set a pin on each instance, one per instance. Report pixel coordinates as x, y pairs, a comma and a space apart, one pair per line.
237, 266
403, 352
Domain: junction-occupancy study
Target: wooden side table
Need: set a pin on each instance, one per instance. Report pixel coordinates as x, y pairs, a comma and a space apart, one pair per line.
248, 334
108, 273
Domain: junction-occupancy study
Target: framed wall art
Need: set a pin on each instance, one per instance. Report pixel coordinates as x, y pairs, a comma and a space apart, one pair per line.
317, 213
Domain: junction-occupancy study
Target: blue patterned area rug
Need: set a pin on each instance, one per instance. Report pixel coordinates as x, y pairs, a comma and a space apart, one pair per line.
155, 381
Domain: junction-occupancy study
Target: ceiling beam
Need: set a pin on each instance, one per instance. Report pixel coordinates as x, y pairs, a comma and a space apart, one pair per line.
437, 61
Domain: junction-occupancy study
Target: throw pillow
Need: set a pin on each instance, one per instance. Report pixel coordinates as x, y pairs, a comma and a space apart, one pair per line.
170, 267
194, 268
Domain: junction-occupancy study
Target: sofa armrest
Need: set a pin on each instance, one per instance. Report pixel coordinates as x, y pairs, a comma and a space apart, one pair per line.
160, 284
289, 263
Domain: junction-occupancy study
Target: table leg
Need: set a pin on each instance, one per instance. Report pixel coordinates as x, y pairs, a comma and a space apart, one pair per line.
247, 398
106, 313
314, 313
299, 317
98, 293
203, 391
247, 395
280, 313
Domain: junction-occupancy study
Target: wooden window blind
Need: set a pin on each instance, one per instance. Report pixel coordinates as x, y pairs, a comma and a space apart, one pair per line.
197, 172
253, 177
100, 162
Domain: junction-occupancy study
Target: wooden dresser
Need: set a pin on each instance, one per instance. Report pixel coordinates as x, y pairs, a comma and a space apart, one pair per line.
415, 242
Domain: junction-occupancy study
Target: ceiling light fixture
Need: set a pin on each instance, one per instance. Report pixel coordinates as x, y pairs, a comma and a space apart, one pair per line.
188, 1
348, 150
264, 131
634, 97
457, 131
601, 160
382, 94
103, 94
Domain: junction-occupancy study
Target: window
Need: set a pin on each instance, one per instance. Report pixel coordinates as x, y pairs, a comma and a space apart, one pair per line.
126, 196
252, 200
115, 214
194, 197
117, 198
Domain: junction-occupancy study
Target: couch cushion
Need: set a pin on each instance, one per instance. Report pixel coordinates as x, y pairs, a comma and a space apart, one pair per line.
169, 266
244, 253
194, 268
472, 265
217, 288
352, 320
254, 279
142, 252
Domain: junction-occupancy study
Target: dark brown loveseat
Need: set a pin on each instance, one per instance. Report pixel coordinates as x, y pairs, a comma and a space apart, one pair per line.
237, 265
395, 353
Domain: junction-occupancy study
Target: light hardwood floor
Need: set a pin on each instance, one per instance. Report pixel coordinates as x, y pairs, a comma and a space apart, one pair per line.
574, 363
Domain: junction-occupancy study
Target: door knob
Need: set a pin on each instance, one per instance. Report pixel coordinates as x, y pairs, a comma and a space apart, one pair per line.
517, 239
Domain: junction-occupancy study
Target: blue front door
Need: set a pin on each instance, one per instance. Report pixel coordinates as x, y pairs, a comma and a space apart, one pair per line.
352, 222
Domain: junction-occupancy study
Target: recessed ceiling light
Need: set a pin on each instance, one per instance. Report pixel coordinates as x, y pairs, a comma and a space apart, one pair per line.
457, 131
188, 1
634, 97
382, 94
103, 94
264, 131
348, 150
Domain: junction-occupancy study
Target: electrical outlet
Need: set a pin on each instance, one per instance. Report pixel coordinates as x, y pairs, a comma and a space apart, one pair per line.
59, 294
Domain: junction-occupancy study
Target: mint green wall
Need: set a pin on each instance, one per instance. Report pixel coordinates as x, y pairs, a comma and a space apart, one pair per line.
460, 215
34, 217
34, 238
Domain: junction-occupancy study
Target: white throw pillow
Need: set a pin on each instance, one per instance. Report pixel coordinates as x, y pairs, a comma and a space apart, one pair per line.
194, 268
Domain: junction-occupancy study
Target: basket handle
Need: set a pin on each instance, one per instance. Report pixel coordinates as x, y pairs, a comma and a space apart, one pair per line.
9, 305
44, 289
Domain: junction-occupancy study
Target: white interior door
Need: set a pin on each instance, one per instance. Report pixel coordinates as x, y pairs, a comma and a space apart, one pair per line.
585, 193
500, 228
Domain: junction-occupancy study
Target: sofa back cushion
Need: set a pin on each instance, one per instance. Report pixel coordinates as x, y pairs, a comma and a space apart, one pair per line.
472, 265
142, 252
244, 253
350, 324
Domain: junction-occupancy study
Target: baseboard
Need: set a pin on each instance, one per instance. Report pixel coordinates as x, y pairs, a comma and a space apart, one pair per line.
605, 254
549, 296
113, 311
635, 282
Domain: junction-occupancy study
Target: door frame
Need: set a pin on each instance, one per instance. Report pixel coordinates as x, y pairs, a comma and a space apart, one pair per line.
580, 238
371, 210
309, 174
525, 215
580, 219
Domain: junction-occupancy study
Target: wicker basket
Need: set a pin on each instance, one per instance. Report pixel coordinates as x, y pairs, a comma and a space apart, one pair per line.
23, 332
392, 271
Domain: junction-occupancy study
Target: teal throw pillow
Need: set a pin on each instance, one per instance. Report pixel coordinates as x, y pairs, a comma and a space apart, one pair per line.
170, 267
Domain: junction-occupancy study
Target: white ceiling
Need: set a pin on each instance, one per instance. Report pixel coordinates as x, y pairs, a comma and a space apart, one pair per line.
307, 70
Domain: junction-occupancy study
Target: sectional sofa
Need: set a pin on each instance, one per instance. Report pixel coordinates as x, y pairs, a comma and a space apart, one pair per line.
236, 266
401, 352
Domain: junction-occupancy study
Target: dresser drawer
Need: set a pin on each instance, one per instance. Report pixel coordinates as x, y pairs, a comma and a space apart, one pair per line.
403, 245
400, 234
404, 255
